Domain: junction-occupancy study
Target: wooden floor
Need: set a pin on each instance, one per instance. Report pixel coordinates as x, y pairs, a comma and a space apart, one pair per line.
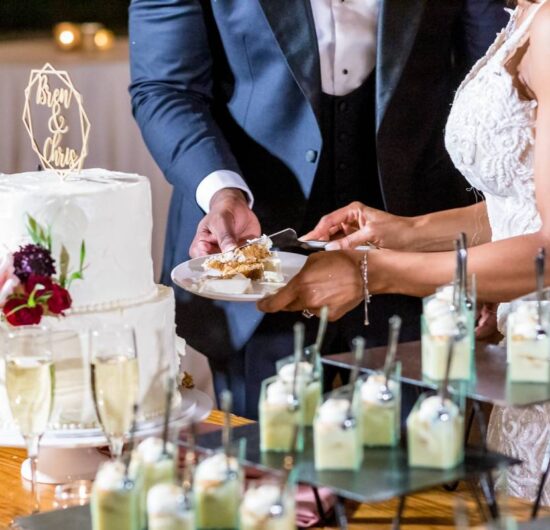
432, 510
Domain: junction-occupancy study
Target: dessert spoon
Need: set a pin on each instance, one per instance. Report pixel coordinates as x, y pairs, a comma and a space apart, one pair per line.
293, 401
384, 392
169, 395
540, 262
443, 412
458, 289
131, 443
359, 352
226, 406
463, 279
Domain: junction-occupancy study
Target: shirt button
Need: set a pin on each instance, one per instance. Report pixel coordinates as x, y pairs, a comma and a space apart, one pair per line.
342, 106
311, 155
345, 71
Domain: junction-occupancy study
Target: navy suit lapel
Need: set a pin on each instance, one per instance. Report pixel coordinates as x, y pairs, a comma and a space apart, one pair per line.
398, 25
292, 24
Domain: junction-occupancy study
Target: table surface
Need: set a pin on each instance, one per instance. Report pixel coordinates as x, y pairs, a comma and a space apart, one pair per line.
431, 510
490, 384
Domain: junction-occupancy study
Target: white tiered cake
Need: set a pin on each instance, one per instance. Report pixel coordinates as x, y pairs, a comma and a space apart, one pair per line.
112, 213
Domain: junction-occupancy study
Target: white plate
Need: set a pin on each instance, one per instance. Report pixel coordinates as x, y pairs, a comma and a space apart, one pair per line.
187, 275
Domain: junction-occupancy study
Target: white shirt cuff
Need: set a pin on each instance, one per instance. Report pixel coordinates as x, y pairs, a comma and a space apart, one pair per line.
216, 181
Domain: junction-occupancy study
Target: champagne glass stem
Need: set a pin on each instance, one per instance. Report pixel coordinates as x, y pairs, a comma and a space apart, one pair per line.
32, 452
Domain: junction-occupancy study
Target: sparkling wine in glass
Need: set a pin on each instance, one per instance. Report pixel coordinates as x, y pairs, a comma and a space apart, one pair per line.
30, 388
115, 382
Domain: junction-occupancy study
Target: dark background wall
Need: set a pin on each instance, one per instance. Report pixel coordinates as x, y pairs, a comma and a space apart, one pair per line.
38, 16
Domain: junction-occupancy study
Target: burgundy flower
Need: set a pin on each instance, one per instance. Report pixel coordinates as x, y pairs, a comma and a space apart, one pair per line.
33, 259
60, 300
35, 279
25, 316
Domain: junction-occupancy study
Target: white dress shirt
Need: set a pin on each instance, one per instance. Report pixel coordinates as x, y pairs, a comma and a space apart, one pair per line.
346, 35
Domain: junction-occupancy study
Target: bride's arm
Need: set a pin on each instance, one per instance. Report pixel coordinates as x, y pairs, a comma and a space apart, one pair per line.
357, 224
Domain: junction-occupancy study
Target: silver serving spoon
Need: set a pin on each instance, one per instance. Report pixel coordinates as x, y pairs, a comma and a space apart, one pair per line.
384, 392
443, 412
293, 401
540, 265
165, 431
277, 509
226, 399
359, 352
463, 251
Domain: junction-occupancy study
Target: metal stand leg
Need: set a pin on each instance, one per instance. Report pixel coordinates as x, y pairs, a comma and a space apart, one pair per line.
488, 489
319, 505
544, 477
399, 515
340, 513
475, 494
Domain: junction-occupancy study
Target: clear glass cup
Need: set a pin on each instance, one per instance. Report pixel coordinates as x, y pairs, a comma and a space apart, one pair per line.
278, 418
115, 382
337, 431
263, 499
30, 384
438, 323
115, 500
527, 351
170, 507
218, 488
436, 437
381, 418
310, 377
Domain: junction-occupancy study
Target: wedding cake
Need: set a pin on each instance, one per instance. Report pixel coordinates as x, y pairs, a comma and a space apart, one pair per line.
108, 217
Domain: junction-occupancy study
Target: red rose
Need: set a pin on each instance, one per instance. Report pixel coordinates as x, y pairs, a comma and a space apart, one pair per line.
59, 300
25, 316
37, 279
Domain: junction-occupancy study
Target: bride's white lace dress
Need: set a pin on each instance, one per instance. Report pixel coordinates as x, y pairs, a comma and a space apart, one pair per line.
490, 138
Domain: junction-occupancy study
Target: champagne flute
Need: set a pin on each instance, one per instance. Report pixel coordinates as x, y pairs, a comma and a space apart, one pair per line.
30, 387
115, 382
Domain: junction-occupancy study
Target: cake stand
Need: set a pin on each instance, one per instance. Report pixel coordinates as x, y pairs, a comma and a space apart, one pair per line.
73, 454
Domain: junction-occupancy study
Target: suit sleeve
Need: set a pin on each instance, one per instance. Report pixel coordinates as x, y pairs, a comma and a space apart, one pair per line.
171, 91
481, 20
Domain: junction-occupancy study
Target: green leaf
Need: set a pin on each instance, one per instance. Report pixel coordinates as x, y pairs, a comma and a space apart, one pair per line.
82, 255
64, 260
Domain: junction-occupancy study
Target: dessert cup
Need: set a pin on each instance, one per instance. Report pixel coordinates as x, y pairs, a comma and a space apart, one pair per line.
218, 489
278, 419
310, 378
154, 465
168, 508
337, 447
438, 323
528, 353
433, 441
115, 500
381, 420
258, 501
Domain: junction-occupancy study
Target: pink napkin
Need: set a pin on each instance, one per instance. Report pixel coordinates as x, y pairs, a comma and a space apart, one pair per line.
306, 508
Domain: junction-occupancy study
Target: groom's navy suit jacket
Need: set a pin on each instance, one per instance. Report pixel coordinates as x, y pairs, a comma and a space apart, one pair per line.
235, 84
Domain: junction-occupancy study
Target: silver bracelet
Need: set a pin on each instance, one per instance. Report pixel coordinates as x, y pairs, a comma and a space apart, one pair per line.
365, 276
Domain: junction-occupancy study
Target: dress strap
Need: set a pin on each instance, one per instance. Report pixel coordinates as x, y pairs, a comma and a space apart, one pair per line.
518, 33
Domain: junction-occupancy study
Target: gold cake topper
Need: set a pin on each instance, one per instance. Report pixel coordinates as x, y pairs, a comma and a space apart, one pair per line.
55, 154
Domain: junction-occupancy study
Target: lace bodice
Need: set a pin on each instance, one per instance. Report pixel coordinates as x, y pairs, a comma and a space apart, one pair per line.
490, 137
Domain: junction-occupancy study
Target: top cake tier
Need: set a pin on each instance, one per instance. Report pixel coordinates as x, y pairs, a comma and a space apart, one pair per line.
110, 211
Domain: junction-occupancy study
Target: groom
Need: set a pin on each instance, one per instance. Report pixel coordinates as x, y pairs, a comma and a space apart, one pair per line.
265, 114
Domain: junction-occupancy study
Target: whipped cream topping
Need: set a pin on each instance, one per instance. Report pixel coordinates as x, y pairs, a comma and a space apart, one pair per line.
429, 408
110, 475
277, 393
436, 307
304, 374
371, 388
165, 499
333, 410
150, 450
259, 500
525, 321
214, 468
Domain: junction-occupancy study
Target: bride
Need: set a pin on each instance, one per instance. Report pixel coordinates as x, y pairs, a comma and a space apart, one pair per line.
498, 136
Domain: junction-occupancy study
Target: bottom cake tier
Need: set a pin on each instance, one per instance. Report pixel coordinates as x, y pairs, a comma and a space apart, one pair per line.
73, 408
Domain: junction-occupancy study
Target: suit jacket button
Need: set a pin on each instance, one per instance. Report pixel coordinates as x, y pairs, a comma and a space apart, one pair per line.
311, 155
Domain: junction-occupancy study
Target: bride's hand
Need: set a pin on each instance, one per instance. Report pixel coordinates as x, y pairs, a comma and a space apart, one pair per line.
328, 278
357, 224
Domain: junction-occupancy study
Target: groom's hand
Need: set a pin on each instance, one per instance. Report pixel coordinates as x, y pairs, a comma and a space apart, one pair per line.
229, 223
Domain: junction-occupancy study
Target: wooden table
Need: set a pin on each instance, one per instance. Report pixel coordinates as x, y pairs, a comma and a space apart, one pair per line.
432, 510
